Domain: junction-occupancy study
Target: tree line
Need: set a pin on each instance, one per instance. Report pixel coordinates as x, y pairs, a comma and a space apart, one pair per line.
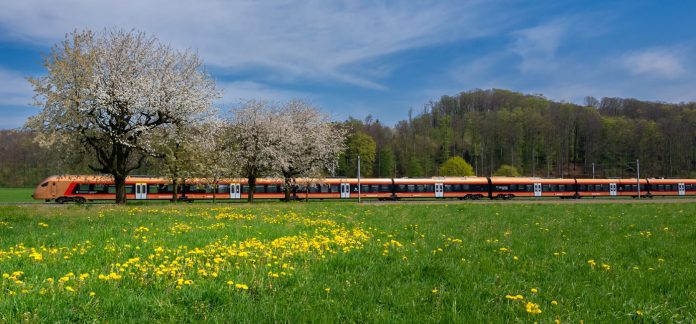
507, 133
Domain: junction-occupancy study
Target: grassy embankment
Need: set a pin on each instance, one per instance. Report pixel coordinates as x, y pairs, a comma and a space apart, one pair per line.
335, 262
16, 194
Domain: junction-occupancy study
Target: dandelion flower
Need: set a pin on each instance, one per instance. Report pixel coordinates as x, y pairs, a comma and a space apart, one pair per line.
532, 308
553, 302
434, 291
534, 290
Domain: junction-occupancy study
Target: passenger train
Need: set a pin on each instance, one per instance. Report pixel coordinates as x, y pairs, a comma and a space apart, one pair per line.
84, 188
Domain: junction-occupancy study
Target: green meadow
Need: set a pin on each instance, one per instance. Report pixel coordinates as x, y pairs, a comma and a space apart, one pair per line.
16, 195
331, 262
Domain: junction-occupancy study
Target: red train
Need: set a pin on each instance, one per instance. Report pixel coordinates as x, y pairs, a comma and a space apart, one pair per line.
83, 188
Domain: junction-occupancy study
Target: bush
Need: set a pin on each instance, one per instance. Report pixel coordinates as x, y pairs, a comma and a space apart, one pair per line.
456, 166
507, 171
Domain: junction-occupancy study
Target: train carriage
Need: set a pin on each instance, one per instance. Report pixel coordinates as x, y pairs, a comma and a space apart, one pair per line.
509, 187
672, 187
611, 187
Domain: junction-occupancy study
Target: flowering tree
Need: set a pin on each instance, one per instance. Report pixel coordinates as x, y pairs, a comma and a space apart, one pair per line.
255, 135
214, 158
177, 147
105, 93
310, 144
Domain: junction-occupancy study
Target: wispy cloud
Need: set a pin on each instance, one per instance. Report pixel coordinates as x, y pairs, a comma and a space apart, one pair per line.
537, 45
664, 63
239, 91
14, 88
319, 40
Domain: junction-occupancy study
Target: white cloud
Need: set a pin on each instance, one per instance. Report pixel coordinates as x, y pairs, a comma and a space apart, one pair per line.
14, 88
537, 46
316, 39
235, 92
654, 62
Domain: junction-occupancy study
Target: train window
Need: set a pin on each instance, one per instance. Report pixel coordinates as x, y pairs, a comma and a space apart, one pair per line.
561, 188
153, 189
420, 188
260, 189
364, 188
111, 189
429, 188
335, 188
44, 184
410, 188
129, 189
223, 188
465, 187
545, 187
271, 189
83, 187
447, 188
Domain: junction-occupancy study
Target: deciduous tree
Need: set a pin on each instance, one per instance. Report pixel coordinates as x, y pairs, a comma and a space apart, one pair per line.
105, 93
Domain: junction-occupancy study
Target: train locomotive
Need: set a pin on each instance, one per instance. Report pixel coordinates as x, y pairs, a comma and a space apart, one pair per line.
84, 188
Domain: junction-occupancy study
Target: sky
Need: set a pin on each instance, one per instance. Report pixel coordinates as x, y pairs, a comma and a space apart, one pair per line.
354, 58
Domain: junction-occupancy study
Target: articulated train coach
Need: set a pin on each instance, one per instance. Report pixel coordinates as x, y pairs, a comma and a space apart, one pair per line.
83, 188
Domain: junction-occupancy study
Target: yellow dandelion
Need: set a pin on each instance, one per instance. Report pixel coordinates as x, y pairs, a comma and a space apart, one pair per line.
532, 308
230, 282
70, 289
91, 294
534, 290
434, 291
327, 289
639, 312
553, 302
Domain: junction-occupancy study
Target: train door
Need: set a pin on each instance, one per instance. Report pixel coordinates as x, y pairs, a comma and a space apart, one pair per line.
682, 189
537, 190
235, 192
345, 190
53, 189
141, 191
438, 190
612, 189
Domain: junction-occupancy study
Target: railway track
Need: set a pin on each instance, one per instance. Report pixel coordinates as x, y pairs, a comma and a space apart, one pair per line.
416, 202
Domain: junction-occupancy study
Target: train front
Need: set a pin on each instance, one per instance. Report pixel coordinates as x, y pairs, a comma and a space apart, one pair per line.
43, 189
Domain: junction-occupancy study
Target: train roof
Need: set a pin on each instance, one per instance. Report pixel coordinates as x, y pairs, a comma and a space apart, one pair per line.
530, 180
607, 181
670, 181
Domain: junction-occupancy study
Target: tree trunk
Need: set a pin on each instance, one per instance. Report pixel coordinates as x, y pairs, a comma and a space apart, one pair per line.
120, 182
175, 190
252, 188
286, 188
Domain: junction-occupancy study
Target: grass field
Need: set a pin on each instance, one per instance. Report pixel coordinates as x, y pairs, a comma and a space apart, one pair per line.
16, 194
329, 262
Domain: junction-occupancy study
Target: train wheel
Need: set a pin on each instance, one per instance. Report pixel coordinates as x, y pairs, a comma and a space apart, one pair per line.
80, 200
61, 200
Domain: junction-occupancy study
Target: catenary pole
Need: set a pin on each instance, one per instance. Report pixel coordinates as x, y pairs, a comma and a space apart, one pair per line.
638, 176
358, 178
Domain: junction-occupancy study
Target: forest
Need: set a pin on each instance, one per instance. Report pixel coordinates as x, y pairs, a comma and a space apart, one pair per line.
535, 135
487, 128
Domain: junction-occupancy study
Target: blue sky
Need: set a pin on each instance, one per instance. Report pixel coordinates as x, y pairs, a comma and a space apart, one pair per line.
354, 58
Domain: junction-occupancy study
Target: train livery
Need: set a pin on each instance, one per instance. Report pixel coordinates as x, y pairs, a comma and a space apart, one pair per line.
83, 188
